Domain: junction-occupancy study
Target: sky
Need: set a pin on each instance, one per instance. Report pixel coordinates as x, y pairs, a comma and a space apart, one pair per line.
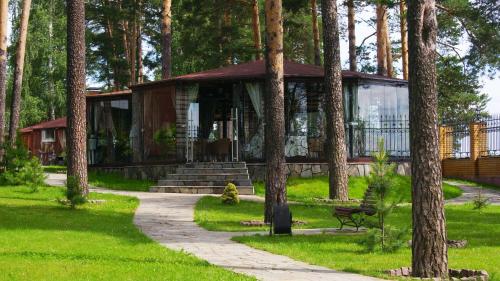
490, 86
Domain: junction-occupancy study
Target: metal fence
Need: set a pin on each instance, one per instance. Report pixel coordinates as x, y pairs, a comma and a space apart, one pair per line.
363, 136
456, 141
490, 130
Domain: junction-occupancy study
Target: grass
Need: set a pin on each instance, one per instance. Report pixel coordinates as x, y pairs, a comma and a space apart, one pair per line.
211, 214
42, 240
116, 181
56, 169
309, 189
346, 253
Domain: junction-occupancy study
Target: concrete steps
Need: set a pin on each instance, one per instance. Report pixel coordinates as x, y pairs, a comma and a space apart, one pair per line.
206, 178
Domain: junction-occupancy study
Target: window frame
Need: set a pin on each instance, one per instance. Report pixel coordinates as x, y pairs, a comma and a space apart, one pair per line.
45, 139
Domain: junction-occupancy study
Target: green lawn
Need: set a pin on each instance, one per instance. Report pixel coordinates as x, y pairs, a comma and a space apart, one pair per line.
42, 240
211, 214
307, 189
56, 169
346, 254
116, 181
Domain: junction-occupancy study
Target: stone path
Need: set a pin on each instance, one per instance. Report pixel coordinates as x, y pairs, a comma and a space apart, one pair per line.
470, 192
168, 219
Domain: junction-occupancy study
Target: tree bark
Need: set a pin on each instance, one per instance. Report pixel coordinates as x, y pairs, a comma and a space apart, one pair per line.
315, 29
166, 33
429, 249
133, 51
140, 74
4, 17
337, 155
388, 45
381, 40
275, 109
18, 73
76, 103
257, 41
351, 26
404, 38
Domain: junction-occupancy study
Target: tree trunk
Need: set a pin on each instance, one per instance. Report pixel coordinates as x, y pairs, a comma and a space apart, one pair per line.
337, 158
404, 38
351, 26
77, 136
257, 41
133, 51
381, 40
226, 35
388, 45
18, 73
275, 109
315, 28
140, 70
4, 17
429, 249
166, 33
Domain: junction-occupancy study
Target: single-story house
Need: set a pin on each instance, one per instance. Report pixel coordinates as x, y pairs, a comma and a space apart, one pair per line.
218, 115
46, 140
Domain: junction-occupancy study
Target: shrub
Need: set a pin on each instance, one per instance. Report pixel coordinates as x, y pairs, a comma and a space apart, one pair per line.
32, 174
74, 192
21, 169
230, 195
393, 239
480, 202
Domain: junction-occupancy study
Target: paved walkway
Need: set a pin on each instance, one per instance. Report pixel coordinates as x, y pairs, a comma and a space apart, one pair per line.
168, 219
470, 192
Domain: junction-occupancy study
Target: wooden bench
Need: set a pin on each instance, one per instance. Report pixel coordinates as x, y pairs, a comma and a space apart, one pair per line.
355, 216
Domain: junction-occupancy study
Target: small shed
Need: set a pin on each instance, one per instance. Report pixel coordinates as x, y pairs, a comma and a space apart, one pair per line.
46, 140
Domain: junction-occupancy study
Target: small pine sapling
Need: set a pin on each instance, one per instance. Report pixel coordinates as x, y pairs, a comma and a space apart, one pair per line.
480, 201
381, 181
32, 174
230, 195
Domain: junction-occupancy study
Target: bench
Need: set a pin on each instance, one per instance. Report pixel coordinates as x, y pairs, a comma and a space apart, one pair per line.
355, 216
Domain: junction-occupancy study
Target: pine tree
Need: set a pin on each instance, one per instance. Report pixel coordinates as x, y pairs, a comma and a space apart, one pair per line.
429, 249
77, 131
337, 154
275, 109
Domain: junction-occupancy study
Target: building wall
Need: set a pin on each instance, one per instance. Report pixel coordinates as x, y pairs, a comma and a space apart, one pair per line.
256, 170
48, 150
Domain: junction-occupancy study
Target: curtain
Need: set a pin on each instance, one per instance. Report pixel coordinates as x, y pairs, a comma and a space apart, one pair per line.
255, 93
192, 92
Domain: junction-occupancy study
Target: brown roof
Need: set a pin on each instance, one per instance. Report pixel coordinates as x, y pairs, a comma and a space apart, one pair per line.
57, 123
95, 94
257, 70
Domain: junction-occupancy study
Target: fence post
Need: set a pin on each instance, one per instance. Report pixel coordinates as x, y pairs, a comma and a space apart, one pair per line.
445, 141
477, 139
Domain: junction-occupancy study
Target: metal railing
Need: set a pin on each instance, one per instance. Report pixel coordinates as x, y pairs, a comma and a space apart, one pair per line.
363, 136
490, 131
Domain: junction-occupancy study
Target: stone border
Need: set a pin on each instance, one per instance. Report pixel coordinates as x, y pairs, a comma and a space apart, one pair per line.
454, 274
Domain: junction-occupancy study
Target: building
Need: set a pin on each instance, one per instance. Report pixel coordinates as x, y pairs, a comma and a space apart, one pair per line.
218, 116
46, 140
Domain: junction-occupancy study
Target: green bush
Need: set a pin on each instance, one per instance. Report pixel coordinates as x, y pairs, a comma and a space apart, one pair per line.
74, 192
480, 202
20, 168
230, 195
393, 239
32, 174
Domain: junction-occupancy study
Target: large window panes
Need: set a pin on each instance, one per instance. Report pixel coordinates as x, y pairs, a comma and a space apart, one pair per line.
304, 120
383, 114
109, 129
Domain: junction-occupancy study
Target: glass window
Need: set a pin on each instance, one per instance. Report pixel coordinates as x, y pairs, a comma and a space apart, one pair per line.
49, 135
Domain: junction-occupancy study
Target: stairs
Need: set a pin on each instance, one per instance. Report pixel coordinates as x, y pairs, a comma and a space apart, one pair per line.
206, 178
